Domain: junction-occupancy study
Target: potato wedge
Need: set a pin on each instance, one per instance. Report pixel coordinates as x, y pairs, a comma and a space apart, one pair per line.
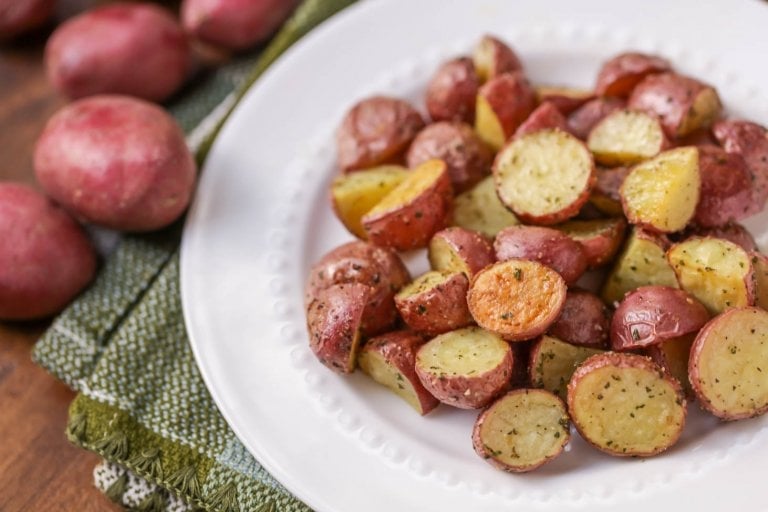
673, 355
412, 212
728, 364
353, 195
390, 360
599, 239
733, 232
626, 405
620, 74
503, 103
583, 119
457, 249
435, 302
522, 430
479, 209
544, 177
566, 99
626, 137
553, 361
584, 320
726, 188
717, 272
760, 264
517, 299
545, 116
466, 368
750, 140
452, 91
492, 57
661, 194
605, 195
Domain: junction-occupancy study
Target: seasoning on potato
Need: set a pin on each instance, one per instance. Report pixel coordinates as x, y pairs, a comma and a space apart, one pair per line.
553, 361
457, 249
626, 137
584, 320
479, 209
435, 302
452, 92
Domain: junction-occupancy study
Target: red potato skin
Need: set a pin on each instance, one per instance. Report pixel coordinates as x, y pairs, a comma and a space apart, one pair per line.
376, 131
504, 59
545, 116
622, 73
467, 157
512, 99
584, 321
45, 258
701, 137
750, 140
603, 246
452, 92
734, 232
548, 246
605, 194
470, 246
134, 49
116, 161
439, 309
582, 120
17, 17
650, 315
565, 103
234, 24
726, 188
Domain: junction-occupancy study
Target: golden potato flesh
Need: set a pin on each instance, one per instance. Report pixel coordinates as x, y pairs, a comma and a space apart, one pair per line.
480, 209
626, 137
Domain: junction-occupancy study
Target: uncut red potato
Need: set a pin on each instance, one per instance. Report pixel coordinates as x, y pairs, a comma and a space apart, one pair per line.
19, 17
545, 116
452, 91
492, 57
673, 355
732, 232
599, 239
457, 249
583, 119
605, 195
375, 131
626, 137
750, 140
435, 302
566, 99
503, 103
479, 209
584, 320
390, 360
552, 363
726, 188
619, 75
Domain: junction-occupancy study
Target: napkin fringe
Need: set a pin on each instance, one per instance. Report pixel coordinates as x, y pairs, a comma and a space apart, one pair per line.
118, 488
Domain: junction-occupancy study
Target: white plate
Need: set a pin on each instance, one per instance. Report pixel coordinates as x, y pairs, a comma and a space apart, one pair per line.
261, 218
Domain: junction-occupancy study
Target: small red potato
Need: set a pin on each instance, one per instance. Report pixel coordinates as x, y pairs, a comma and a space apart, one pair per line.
18, 17
122, 48
626, 137
683, 104
760, 264
452, 92
620, 75
727, 364
701, 137
116, 161
584, 320
750, 140
651, 315
503, 103
545, 116
732, 232
583, 119
457, 249
492, 58
566, 99
605, 196
673, 355
466, 368
413, 211
544, 177
726, 188
375, 131
600, 239
553, 361
390, 360
435, 302
626, 405
517, 299
545, 245
467, 157
479, 209
45, 258
522, 430
234, 24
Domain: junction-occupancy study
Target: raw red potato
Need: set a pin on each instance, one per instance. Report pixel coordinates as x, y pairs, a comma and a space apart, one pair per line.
750, 140
620, 75
18, 17
584, 320
457, 249
600, 239
673, 355
435, 302
566, 99
583, 119
626, 137
116, 161
605, 195
375, 131
503, 103
733, 232
452, 92
726, 188
123, 48
479, 209
493, 58
553, 361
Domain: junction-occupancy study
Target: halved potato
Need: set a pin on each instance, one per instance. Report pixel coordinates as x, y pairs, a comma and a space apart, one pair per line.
726, 188
466, 368
583, 119
729, 360
661, 194
626, 137
553, 361
353, 195
566, 99
545, 116
492, 58
517, 299
390, 360
479, 209
620, 74
717, 272
626, 405
522, 430
412, 212
584, 320
760, 264
750, 140
452, 91
673, 355
605, 195
435, 302
503, 103
457, 249
544, 177
600, 239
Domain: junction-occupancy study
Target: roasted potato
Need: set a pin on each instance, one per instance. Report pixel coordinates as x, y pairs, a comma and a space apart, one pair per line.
517, 299
390, 360
583, 119
545, 245
626, 405
19, 17
452, 91
467, 157
457, 249
651, 315
727, 364
522, 430
466, 368
599, 239
553, 361
492, 58
605, 195
760, 264
750, 140
375, 131
413, 211
673, 355
626, 137
726, 188
503, 103
545, 116
479, 209
732, 232
566, 99
435, 302
583, 321
544, 177
622, 73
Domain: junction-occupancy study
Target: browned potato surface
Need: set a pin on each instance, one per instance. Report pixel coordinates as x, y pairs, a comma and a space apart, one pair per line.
726, 188
728, 364
760, 264
545, 116
673, 355
566, 99
622, 73
626, 405
479, 209
457, 249
452, 91
503, 103
435, 302
732, 232
518, 299
605, 196
522, 430
750, 140
553, 361
492, 57
599, 239
466, 368
583, 119
584, 320
626, 137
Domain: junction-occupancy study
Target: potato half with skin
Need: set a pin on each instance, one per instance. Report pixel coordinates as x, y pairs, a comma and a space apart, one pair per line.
375, 131
626, 137
661, 194
583, 119
435, 302
750, 140
673, 355
652, 315
553, 361
466, 368
518, 299
566, 99
605, 195
726, 188
717, 272
584, 320
728, 364
452, 91
683, 104
522, 430
545, 116
492, 57
544, 177
355, 194
733, 232
503, 103
626, 405
479, 209
620, 74
760, 264
599, 239
457, 249
390, 360
467, 157
545, 245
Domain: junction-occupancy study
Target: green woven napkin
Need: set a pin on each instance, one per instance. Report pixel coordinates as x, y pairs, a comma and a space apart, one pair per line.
142, 403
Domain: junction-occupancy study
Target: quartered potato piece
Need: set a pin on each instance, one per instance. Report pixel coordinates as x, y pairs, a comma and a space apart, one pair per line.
626, 137
435, 302
553, 361
600, 239
457, 249
503, 103
492, 57
622, 73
